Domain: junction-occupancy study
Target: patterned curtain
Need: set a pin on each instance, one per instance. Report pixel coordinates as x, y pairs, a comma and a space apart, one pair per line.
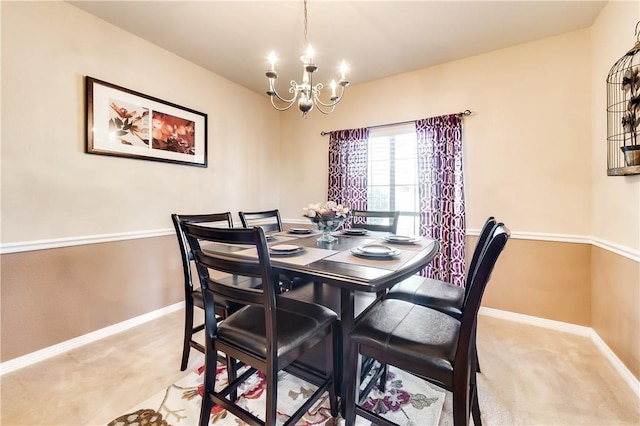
348, 154
441, 191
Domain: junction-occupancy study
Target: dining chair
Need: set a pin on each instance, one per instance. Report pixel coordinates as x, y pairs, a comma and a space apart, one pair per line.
269, 220
441, 295
193, 294
268, 334
383, 221
426, 343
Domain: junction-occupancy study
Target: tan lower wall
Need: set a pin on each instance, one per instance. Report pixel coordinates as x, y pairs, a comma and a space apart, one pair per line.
615, 295
543, 279
50, 296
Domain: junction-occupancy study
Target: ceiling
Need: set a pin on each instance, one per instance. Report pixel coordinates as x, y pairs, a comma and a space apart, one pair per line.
377, 39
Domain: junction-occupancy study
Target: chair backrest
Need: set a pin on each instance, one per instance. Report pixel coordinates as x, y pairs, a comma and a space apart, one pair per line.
487, 260
359, 219
483, 239
269, 220
226, 262
223, 219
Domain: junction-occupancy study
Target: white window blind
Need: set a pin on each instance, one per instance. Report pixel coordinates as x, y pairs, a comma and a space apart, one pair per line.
392, 179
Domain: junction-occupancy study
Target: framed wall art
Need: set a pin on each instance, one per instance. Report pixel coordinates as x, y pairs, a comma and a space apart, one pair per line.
124, 123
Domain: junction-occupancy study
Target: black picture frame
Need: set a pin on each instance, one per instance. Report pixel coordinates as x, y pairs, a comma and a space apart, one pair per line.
124, 123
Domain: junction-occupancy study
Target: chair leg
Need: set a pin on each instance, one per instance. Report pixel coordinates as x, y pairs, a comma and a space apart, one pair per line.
475, 407
461, 400
383, 377
188, 329
210, 367
232, 374
272, 395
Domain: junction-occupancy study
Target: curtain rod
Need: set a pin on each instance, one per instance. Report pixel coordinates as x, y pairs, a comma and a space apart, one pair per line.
464, 113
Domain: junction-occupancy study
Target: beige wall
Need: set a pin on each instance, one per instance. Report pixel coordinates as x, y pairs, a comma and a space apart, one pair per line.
615, 314
616, 200
52, 189
51, 296
542, 279
526, 153
615, 280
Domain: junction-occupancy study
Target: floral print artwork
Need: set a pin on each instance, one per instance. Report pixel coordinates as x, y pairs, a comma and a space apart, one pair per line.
129, 125
175, 134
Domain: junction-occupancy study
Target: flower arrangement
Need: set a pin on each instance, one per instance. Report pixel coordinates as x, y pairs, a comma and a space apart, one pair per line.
325, 212
326, 218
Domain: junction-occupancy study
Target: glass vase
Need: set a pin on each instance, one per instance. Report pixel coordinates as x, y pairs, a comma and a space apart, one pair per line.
327, 227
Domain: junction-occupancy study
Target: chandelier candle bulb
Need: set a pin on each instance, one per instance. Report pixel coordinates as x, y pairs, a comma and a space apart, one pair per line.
309, 55
333, 90
272, 61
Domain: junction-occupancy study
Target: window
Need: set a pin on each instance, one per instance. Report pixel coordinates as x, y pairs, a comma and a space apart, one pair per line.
392, 178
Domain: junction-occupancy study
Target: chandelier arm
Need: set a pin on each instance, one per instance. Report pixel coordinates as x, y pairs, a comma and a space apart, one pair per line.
321, 108
317, 101
292, 103
273, 92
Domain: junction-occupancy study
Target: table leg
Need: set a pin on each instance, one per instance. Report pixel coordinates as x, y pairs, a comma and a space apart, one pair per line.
347, 316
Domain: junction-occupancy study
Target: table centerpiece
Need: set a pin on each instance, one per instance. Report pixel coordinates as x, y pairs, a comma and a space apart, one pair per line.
326, 218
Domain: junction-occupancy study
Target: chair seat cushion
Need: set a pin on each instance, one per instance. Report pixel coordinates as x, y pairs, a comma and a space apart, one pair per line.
436, 294
420, 340
298, 324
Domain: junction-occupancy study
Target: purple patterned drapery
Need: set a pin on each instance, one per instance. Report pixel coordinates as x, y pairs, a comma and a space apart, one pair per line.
348, 154
441, 189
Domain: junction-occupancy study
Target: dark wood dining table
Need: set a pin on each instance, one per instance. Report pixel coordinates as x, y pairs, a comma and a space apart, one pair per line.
342, 280
358, 279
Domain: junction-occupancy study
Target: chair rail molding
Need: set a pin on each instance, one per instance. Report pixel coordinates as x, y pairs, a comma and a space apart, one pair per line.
24, 246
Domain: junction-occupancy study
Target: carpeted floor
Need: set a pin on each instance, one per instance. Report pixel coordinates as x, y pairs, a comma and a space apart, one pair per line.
406, 397
530, 376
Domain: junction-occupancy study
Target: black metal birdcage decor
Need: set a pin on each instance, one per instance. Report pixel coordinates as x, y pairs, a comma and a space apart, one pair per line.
623, 114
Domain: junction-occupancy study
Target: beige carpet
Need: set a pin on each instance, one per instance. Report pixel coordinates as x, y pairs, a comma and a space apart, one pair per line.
530, 376
407, 400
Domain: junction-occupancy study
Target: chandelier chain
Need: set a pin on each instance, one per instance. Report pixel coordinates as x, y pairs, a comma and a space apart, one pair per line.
305, 23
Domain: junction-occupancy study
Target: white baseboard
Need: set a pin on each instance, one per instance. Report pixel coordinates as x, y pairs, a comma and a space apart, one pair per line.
537, 321
619, 366
60, 348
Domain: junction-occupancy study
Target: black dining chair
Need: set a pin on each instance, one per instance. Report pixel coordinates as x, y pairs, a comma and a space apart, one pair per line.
269, 220
268, 334
193, 294
426, 343
372, 220
441, 295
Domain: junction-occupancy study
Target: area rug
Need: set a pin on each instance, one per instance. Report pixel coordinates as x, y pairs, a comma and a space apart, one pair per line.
407, 401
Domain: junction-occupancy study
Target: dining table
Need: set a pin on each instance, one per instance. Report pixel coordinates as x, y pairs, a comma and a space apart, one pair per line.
348, 274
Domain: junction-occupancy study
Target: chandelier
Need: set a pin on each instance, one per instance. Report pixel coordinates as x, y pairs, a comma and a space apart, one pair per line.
306, 93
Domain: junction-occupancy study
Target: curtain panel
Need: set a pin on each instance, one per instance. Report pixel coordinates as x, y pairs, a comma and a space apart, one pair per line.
348, 156
441, 193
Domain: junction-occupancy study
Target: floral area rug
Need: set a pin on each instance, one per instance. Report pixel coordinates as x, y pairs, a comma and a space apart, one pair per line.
407, 401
